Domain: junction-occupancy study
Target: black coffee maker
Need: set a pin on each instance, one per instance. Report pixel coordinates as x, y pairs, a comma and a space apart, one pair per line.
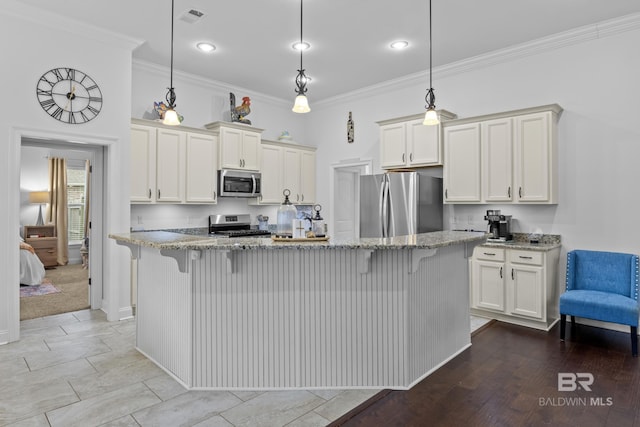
499, 226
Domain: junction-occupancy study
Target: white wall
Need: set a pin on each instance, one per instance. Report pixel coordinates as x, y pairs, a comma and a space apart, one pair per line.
31, 43
595, 81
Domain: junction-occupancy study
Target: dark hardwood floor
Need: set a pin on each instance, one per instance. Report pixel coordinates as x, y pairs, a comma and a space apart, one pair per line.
509, 377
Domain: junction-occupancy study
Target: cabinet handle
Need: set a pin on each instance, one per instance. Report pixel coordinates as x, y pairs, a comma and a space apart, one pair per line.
520, 192
489, 253
501, 272
509, 192
512, 278
297, 197
446, 194
149, 193
302, 198
214, 195
158, 193
525, 257
403, 157
411, 157
242, 162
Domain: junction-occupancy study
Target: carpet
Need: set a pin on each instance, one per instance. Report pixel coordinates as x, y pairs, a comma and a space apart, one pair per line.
44, 288
71, 280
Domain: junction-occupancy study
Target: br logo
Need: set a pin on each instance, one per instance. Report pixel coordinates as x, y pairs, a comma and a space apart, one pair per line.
568, 381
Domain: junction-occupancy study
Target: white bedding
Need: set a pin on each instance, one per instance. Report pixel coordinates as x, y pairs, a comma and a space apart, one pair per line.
31, 268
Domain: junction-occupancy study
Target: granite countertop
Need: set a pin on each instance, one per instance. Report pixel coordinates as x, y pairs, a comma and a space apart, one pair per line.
521, 241
180, 241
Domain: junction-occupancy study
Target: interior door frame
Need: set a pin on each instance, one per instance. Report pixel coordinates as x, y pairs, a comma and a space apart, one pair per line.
95, 155
360, 166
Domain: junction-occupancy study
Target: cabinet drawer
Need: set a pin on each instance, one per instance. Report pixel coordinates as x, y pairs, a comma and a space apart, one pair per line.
489, 254
526, 257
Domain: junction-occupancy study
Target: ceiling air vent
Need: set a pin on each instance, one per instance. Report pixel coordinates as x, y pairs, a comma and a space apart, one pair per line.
191, 16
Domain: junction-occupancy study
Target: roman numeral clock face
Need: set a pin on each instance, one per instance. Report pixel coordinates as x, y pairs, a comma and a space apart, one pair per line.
69, 95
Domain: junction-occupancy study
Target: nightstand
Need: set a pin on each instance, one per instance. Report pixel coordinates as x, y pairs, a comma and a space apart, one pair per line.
44, 241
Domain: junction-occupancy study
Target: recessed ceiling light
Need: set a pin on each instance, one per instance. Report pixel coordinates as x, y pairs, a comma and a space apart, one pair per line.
206, 47
400, 44
301, 45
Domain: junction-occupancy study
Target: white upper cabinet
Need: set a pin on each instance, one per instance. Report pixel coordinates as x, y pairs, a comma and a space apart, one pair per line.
201, 169
406, 143
172, 164
287, 166
497, 166
461, 172
517, 161
239, 145
143, 164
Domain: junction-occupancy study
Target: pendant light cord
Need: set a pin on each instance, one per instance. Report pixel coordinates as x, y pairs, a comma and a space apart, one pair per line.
430, 53
171, 77
301, 47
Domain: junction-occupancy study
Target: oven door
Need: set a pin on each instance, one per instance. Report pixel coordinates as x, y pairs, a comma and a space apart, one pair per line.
238, 184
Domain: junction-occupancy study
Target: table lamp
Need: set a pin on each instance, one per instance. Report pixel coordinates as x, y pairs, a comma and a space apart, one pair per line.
40, 197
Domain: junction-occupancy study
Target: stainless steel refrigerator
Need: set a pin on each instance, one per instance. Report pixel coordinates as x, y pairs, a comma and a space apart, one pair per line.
400, 203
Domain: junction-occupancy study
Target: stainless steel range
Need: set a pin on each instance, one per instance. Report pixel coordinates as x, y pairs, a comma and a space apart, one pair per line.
234, 226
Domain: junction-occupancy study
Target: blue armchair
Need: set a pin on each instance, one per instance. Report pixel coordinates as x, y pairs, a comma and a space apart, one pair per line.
601, 286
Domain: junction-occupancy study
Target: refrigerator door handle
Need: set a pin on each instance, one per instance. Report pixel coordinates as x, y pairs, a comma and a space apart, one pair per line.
384, 207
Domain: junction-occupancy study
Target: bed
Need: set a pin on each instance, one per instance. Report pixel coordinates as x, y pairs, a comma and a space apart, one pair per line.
31, 268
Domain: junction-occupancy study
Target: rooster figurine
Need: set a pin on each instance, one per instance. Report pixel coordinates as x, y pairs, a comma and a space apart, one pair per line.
239, 113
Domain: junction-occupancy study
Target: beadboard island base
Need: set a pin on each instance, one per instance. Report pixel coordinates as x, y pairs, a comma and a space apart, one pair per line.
254, 314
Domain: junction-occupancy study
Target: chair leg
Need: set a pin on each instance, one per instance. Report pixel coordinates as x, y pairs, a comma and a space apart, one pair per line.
573, 325
563, 324
634, 341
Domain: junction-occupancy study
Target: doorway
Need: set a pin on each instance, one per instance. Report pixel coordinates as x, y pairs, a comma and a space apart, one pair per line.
345, 200
82, 277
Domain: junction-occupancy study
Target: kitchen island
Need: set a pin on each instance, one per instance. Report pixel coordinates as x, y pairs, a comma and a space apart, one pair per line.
251, 313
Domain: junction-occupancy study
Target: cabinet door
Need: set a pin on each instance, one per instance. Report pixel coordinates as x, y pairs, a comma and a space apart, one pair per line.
533, 157
143, 164
250, 150
291, 174
170, 166
307, 177
497, 155
230, 148
487, 285
423, 144
201, 168
392, 146
525, 296
271, 169
461, 170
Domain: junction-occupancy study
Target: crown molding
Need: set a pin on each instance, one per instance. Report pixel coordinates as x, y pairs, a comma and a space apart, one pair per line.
546, 44
160, 70
57, 22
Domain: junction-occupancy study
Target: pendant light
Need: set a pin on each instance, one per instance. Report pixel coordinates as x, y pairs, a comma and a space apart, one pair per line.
170, 115
301, 104
431, 116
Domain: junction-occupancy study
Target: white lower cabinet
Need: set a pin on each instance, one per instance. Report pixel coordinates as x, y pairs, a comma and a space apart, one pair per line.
515, 285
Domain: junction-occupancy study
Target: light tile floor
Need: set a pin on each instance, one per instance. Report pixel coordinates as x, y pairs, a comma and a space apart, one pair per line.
77, 369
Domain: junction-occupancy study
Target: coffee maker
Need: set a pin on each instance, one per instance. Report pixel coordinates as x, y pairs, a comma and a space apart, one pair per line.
499, 226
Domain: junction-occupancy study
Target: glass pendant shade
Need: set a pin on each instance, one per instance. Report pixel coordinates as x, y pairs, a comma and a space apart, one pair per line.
301, 105
431, 117
171, 118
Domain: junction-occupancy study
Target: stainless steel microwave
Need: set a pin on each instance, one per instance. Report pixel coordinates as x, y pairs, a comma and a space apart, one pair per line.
232, 183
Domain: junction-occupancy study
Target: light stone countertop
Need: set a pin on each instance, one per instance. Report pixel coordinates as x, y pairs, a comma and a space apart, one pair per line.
521, 241
178, 241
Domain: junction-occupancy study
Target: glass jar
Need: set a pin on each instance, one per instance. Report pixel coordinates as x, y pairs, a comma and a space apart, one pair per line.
286, 214
318, 226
